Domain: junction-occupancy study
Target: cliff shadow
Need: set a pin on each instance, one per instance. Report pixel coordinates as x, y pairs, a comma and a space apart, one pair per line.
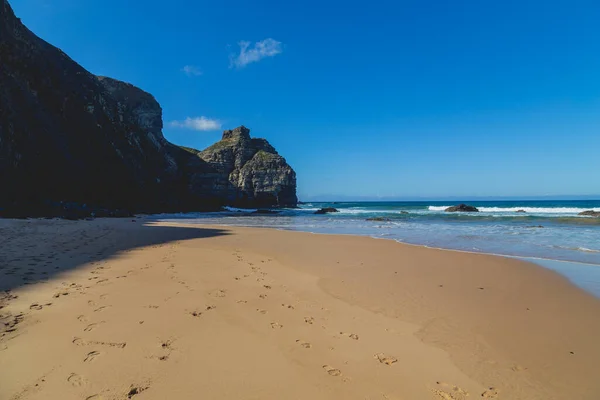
34, 251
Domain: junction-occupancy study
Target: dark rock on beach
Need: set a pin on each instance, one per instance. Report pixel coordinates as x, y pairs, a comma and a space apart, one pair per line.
327, 210
462, 208
590, 213
95, 144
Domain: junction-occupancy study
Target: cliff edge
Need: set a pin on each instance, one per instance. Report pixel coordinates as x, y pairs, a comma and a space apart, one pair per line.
72, 140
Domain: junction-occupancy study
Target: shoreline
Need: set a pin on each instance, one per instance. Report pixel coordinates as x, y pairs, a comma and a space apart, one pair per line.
540, 261
266, 313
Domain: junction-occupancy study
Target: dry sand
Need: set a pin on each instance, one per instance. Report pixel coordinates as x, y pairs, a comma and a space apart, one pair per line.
115, 309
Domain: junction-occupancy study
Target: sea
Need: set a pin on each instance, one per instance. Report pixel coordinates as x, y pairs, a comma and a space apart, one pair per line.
549, 233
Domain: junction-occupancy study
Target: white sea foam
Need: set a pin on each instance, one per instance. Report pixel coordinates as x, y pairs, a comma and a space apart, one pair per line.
588, 250
246, 210
531, 210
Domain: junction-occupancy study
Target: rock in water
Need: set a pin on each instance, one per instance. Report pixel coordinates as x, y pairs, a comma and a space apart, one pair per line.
521, 211
250, 171
462, 208
327, 210
72, 143
590, 213
379, 219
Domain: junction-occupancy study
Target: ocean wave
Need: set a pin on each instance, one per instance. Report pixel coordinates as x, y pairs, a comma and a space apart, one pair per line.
244, 210
585, 249
530, 210
366, 211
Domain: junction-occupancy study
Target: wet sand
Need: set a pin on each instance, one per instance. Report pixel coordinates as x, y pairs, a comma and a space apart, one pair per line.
115, 309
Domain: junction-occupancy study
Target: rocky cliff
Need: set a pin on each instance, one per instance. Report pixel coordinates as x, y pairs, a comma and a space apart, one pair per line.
68, 137
250, 171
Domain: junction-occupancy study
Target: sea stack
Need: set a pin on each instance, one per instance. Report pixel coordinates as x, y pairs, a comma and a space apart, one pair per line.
250, 171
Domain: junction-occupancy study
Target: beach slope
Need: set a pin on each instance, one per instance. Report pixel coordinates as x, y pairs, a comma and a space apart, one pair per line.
117, 309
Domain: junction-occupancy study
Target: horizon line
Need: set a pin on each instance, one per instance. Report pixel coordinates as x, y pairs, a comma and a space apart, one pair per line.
453, 198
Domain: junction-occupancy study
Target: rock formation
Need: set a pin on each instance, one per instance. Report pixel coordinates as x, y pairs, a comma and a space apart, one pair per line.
326, 210
590, 213
379, 219
250, 171
461, 208
74, 142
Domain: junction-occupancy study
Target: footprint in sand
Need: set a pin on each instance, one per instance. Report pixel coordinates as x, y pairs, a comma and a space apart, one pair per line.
95, 397
276, 325
76, 380
491, 393
350, 335
309, 320
167, 344
518, 368
261, 311
101, 308
36, 306
80, 342
384, 359
82, 318
450, 392
291, 307
267, 286
198, 313
241, 301
92, 326
91, 356
135, 390
332, 371
306, 345
262, 296
219, 293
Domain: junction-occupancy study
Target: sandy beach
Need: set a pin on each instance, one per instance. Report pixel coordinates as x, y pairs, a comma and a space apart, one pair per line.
121, 308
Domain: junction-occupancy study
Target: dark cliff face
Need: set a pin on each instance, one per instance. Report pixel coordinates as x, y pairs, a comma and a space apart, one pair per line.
63, 136
69, 136
251, 173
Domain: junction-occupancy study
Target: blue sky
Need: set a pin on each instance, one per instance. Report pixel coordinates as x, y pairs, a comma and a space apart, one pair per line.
380, 98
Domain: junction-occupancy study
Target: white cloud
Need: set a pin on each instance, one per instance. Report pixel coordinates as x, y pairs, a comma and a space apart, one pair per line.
197, 124
191, 70
252, 53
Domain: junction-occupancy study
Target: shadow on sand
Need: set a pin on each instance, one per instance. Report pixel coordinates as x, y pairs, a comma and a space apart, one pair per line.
33, 251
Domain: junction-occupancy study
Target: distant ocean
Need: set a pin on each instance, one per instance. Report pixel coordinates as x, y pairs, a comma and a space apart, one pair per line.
546, 231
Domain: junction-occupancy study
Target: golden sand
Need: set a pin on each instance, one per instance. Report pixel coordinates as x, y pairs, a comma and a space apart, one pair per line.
115, 309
